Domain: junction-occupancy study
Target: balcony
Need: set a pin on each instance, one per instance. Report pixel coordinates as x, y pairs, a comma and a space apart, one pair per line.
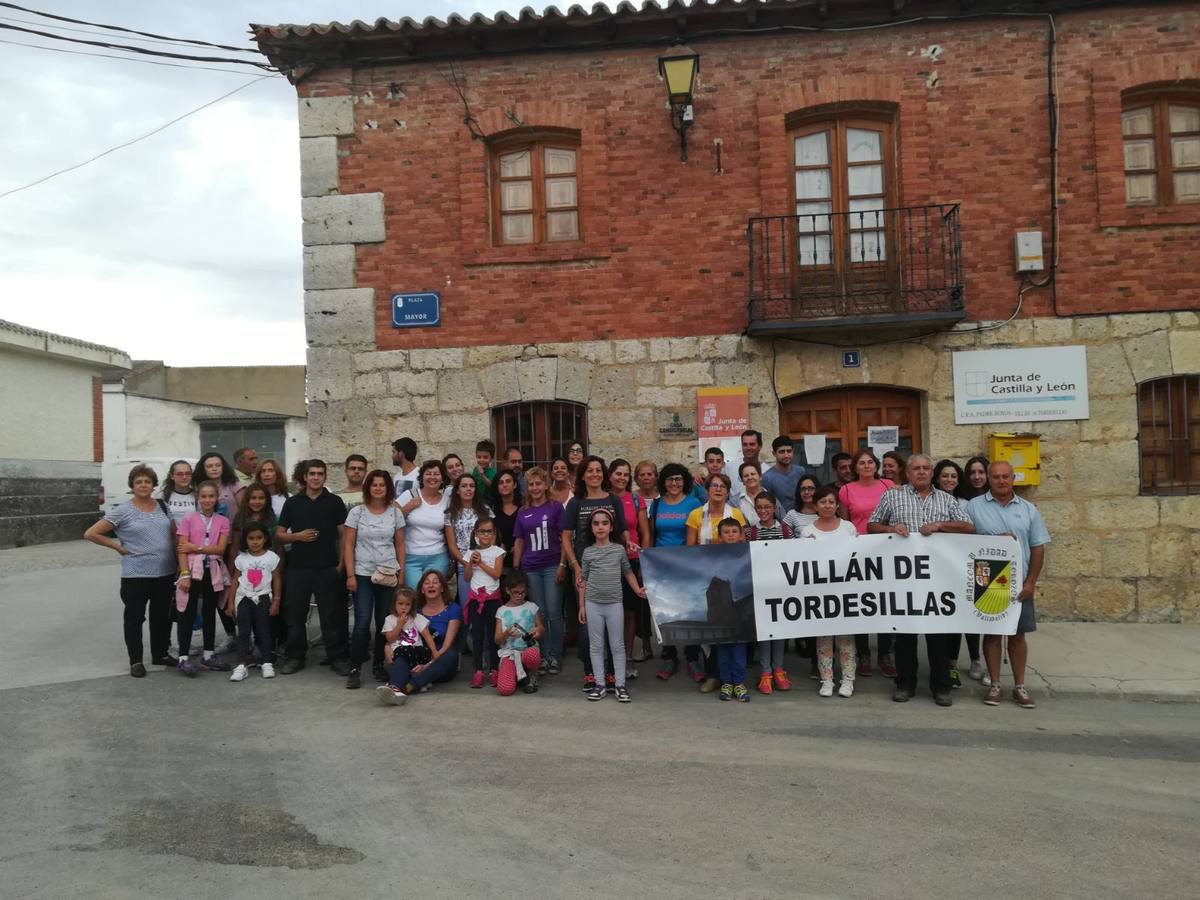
848, 275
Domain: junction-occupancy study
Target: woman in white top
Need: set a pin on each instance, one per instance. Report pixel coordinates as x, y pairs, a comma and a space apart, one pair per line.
751, 475
561, 485
373, 538
177, 491
828, 527
805, 508
424, 524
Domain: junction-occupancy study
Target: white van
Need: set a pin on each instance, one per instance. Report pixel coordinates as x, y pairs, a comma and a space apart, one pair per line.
114, 477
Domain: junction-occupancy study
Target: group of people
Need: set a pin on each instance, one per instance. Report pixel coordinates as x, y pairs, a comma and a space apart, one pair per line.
489, 568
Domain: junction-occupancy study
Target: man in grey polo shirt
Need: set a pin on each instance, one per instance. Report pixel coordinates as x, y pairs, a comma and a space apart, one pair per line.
1001, 511
920, 507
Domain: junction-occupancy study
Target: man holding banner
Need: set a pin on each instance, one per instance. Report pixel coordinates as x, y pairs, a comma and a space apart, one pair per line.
1000, 511
920, 507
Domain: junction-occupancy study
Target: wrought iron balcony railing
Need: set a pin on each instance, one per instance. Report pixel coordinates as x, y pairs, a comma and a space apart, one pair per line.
863, 267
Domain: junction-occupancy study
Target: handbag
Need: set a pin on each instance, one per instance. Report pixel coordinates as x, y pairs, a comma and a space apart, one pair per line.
413, 654
387, 576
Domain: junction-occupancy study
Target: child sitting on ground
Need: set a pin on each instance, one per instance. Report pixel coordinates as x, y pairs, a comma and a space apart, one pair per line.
518, 627
407, 643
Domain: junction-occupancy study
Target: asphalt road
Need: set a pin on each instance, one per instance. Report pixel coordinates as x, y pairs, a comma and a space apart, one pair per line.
164, 787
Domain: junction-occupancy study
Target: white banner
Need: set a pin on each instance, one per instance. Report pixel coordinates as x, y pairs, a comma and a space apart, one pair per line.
884, 583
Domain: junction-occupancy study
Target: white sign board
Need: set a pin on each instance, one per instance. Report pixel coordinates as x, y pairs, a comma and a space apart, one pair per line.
883, 438
1043, 384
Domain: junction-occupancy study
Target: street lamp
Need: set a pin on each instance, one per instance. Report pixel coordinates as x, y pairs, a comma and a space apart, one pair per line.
679, 72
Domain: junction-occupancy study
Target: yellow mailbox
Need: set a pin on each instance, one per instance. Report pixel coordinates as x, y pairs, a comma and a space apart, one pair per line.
1023, 452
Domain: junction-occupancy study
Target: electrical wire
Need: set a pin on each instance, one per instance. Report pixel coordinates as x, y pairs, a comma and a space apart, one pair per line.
135, 140
132, 59
92, 32
147, 34
142, 50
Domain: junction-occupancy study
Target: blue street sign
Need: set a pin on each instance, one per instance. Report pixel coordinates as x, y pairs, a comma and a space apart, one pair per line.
417, 310
851, 359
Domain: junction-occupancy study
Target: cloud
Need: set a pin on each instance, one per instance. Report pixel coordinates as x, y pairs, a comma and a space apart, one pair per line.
185, 246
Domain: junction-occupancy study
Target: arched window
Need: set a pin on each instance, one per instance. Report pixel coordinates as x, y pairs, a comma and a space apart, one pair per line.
542, 429
1161, 138
535, 187
1169, 435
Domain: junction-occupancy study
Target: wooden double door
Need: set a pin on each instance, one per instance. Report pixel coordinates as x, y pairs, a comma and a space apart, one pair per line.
843, 416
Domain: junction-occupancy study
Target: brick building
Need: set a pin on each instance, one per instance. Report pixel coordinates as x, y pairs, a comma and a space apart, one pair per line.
856, 173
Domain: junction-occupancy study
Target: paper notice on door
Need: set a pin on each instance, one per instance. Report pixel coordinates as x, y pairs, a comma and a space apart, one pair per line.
883, 438
814, 449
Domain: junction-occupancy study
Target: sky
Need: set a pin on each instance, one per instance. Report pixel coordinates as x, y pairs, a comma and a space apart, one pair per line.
183, 247
678, 578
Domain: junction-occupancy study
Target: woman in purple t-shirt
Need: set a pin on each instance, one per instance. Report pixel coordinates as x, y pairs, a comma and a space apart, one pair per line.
537, 551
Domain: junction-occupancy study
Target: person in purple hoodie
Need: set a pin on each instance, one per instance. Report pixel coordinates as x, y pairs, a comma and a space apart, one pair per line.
537, 551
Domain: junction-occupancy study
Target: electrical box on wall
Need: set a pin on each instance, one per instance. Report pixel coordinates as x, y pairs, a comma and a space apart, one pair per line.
1029, 251
1023, 452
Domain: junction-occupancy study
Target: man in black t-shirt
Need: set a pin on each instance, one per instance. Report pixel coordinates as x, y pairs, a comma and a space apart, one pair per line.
311, 524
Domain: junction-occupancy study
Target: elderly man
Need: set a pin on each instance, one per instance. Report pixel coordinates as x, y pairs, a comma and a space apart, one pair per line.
245, 464
1000, 511
919, 506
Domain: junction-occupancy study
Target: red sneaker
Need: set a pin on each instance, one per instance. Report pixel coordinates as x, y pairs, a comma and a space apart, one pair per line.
887, 665
477, 679
493, 676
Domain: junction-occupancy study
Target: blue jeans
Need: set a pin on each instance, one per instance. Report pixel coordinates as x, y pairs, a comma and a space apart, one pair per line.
444, 668
731, 663
369, 599
547, 594
416, 566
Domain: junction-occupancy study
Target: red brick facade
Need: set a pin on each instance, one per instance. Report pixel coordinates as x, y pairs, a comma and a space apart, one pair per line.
97, 419
664, 243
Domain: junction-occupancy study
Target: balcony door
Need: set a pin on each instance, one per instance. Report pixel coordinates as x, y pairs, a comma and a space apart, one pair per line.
844, 179
843, 416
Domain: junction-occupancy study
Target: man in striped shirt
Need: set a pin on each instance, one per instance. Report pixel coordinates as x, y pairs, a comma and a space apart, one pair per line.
919, 506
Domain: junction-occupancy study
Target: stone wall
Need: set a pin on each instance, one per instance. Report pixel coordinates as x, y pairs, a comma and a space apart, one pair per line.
1116, 556
43, 501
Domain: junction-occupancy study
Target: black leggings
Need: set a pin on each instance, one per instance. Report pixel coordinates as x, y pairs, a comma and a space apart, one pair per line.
254, 617
202, 597
954, 644
862, 645
483, 634
691, 652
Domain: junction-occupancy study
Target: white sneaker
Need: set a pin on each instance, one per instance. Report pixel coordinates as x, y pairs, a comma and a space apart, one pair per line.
268, 670
846, 689
239, 674
976, 672
986, 680
826, 689
387, 694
